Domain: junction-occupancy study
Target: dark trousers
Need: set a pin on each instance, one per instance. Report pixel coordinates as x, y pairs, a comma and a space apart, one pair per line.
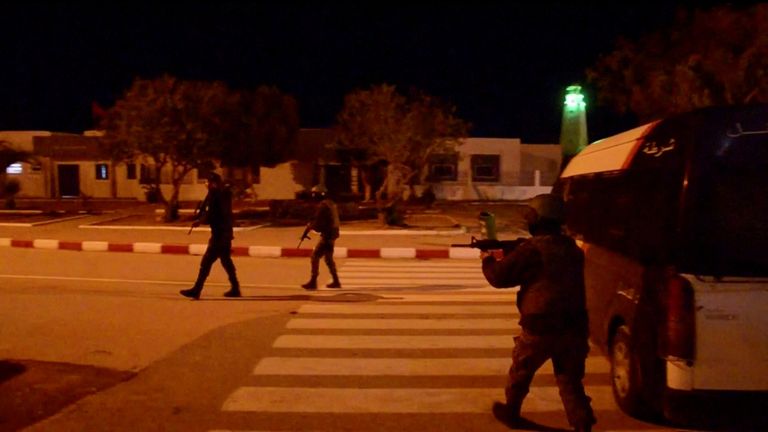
568, 353
324, 249
219, 247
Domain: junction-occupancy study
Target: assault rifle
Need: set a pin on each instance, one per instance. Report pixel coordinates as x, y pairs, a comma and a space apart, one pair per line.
491, 244
201, 206
305, 234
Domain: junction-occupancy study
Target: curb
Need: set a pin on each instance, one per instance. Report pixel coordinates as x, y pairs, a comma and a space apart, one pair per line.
250, 251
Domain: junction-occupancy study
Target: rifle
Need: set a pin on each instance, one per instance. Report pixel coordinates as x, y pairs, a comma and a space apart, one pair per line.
305, 234
196, 214
491, 244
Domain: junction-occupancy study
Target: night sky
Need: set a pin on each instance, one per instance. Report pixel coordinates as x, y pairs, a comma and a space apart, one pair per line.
504, 65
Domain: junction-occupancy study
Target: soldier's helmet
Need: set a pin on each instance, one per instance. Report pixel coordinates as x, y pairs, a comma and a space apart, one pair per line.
214, 178
318, 193
546, 207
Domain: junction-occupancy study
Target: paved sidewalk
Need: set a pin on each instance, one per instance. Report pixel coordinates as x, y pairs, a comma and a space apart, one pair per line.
359, 239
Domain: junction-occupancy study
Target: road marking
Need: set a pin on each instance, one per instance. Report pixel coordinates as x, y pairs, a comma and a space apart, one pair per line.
497, 296
401, 309
394, 400
396, 342
405, 323
158, 282
369, 273
316, 366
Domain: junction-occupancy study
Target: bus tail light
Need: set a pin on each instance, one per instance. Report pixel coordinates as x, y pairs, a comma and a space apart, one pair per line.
678, 338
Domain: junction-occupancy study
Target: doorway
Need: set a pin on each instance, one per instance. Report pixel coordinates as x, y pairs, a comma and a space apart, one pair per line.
69, 180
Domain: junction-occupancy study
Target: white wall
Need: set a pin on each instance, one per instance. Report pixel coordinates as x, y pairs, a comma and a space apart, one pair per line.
277, 182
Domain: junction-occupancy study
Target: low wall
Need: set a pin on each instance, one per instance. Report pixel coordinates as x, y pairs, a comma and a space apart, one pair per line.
489, 192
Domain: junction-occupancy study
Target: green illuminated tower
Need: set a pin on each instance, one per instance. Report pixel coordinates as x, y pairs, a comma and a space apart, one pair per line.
573, 131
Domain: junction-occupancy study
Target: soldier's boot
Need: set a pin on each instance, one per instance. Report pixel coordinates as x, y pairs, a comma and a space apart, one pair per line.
336, 283
234, 291
193, 293
508, 414
311, 285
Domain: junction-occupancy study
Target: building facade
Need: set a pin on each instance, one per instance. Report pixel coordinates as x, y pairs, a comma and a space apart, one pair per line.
76, 166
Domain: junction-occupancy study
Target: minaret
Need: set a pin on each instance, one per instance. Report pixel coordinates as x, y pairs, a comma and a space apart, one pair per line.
573, 131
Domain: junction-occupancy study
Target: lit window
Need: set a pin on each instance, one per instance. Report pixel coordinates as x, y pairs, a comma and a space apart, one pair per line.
102, 171
14, 168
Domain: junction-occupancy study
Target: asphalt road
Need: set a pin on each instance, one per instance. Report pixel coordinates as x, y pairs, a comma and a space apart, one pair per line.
108, 344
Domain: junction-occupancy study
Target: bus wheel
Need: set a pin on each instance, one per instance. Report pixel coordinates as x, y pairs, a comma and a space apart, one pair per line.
624, 373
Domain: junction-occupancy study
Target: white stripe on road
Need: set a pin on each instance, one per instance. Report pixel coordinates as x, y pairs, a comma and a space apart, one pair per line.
415, 277
436, 263
396, 400
405, 309
408, 323
368, 270
395, 342
403, 366
492, 295
325, 293
381, 366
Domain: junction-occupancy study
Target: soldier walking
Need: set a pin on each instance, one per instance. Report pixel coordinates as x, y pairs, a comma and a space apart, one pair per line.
549, 268
326, 222
216, 211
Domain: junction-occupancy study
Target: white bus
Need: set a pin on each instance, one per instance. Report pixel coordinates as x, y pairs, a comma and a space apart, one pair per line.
673, 220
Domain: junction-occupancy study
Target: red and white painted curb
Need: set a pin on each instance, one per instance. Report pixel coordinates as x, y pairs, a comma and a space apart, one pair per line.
252, 251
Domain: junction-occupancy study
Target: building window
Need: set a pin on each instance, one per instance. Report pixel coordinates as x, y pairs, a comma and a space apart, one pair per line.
131, 171
102, 171
485, 168
148, 174
443, 167
14, 168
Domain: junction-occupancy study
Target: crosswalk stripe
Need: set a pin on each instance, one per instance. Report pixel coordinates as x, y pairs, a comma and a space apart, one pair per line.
476, 271
391, 400
443, 275
404, 323
316, 366
407, 281
392, 309
476, 296
411, 263
395, 342
378, 274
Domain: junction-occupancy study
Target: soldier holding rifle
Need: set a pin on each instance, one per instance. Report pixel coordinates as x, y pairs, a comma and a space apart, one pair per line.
549, 268
326, 222
216, 211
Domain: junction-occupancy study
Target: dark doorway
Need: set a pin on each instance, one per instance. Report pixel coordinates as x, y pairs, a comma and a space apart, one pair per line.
69, 181
337, 179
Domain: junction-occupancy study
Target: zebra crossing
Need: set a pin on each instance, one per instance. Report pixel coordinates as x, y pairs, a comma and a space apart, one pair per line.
378, 274
407, 361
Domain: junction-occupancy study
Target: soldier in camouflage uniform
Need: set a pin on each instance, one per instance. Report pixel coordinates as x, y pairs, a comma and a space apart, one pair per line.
326, 222
549, 268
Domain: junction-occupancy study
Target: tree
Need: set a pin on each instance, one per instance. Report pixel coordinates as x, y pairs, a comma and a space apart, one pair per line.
175, 123
380, 124
713, 57
184, 125
263, 129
